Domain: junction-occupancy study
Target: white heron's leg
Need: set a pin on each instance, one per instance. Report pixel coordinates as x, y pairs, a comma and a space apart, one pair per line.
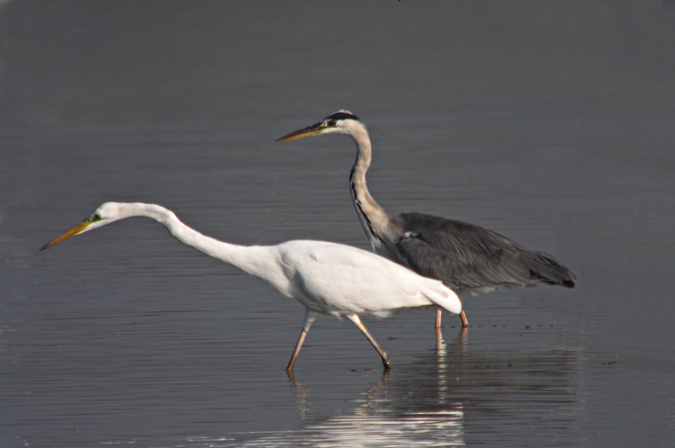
310, 316
357, 321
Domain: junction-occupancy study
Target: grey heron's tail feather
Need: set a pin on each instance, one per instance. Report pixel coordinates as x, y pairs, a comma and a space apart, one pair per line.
546, 269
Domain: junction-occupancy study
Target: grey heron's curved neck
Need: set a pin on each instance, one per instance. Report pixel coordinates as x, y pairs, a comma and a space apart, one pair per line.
374, 218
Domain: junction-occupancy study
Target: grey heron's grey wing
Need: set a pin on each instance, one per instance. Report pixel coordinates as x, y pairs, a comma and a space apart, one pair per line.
461, 266
470, 257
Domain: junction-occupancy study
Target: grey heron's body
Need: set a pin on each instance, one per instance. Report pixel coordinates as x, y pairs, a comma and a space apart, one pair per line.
468, 258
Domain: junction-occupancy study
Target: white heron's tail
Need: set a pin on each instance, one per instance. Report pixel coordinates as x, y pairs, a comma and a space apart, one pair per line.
443, 296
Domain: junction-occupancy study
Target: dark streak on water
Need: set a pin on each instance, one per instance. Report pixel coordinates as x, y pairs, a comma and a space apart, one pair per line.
550, 122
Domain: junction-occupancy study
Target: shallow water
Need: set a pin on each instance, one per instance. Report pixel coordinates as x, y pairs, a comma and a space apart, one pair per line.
549, 122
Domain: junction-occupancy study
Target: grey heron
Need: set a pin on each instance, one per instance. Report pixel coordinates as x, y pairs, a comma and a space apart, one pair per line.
468, 258
327, 278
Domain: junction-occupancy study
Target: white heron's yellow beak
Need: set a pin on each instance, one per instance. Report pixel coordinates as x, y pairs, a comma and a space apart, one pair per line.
76, 230
309, 131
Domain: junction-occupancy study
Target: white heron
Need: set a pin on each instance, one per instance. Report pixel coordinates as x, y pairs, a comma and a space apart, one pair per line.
327, 278
466, 257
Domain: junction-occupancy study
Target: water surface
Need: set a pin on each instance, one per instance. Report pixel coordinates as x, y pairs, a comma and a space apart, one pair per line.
549, 122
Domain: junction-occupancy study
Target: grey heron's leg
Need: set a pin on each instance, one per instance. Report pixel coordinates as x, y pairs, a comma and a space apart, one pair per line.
309, 319
357, 321
465, 322
439, 313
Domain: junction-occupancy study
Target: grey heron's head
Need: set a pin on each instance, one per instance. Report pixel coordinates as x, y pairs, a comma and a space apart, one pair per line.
340, 122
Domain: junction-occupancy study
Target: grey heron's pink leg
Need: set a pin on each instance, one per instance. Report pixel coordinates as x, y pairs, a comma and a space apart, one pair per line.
465, 322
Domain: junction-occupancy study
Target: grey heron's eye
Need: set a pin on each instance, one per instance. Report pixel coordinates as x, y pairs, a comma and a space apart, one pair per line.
331, 123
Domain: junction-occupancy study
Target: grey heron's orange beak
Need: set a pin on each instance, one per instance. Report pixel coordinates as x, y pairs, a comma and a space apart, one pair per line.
76, 230
309, 131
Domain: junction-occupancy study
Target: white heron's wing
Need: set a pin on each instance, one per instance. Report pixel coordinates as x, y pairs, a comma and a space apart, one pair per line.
341, 279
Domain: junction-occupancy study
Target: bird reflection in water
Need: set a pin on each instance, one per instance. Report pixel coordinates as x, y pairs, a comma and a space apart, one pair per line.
450, 396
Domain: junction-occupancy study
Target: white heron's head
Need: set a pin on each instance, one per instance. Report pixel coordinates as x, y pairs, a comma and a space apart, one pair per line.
340, 122
104, 214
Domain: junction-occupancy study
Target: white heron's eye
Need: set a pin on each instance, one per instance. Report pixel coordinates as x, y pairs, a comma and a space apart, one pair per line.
96, 217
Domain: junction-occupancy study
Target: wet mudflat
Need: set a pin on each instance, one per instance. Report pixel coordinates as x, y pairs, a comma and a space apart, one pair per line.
549, 123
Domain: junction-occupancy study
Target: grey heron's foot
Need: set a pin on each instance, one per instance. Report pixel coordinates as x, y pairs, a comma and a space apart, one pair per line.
462, 339
462, 334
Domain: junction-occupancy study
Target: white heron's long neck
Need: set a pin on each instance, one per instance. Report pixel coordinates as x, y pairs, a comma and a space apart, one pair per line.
374, 219
255, 260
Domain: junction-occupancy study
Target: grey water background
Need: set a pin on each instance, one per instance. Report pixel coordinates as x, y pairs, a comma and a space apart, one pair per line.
550, 122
